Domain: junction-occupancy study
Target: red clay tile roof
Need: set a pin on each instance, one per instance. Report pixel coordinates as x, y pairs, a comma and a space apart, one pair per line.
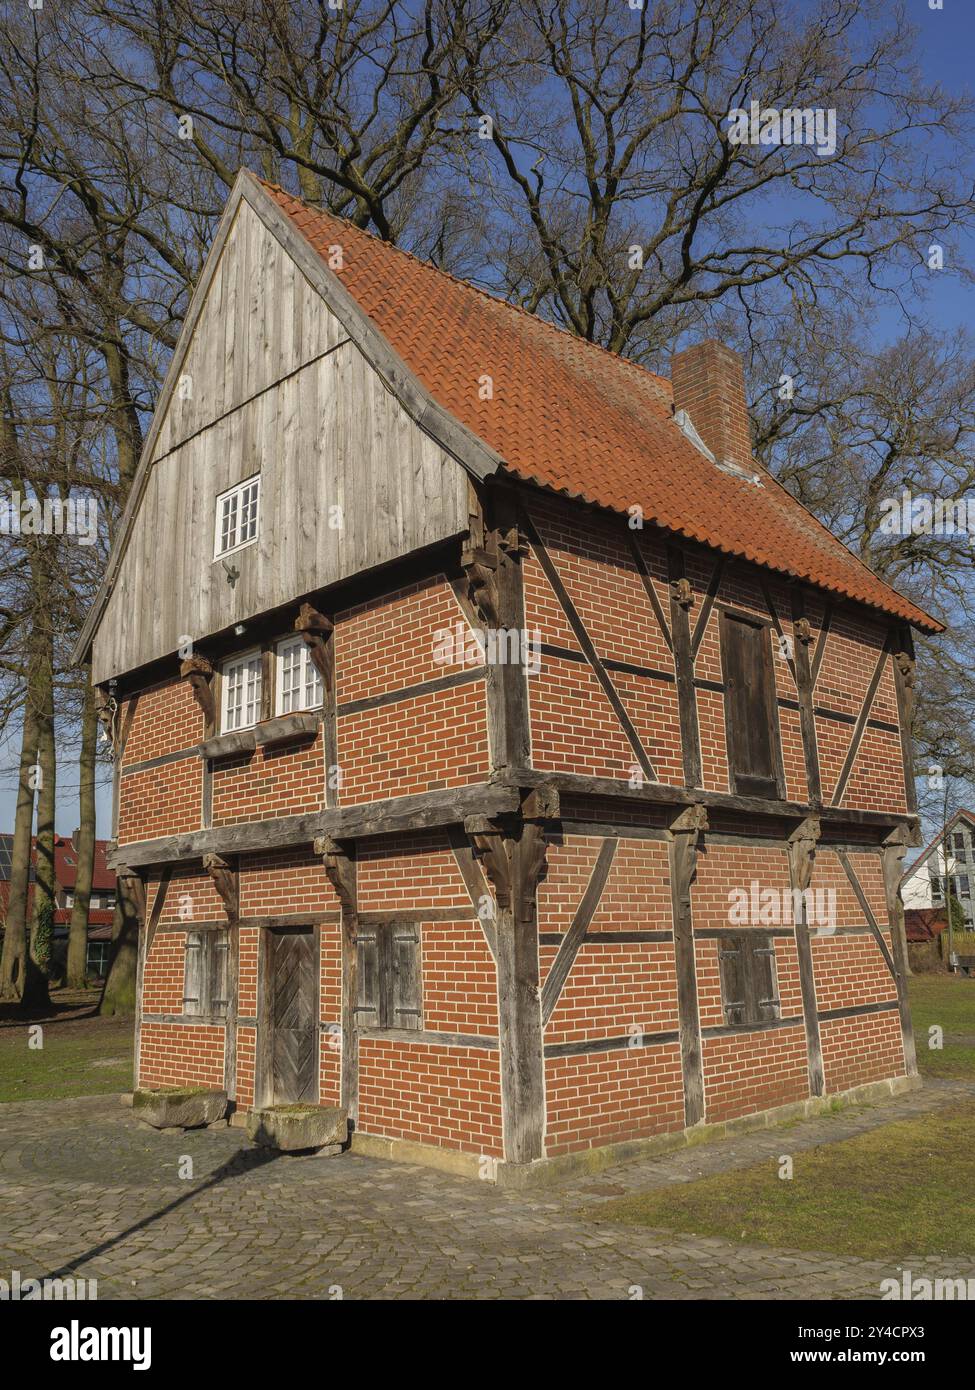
572, 417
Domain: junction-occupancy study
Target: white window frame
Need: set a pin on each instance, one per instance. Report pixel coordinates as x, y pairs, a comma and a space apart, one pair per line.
306, 665
237, 491
225, 670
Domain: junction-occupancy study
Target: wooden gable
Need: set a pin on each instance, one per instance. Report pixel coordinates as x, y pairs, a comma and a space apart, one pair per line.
269, 379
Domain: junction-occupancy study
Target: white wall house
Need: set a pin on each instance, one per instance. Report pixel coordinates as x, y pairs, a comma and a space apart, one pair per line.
924, 882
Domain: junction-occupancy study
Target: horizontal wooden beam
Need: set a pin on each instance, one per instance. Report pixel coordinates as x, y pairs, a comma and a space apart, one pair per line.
418, 812
455, 805
660, 794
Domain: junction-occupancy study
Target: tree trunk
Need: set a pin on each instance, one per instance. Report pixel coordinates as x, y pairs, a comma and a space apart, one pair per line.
118, 997
16, 966
85, 848
45, 887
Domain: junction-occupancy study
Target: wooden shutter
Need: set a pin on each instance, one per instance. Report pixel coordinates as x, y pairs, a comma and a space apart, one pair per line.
368, 1000
405, 1009
731, 959
751, 715
748, 984
763, 992
193, 973
218, 973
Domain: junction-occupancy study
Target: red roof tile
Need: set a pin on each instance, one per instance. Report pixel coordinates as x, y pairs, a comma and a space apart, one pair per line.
570, 416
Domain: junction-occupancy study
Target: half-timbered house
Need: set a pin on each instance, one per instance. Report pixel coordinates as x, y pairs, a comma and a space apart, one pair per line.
502, 756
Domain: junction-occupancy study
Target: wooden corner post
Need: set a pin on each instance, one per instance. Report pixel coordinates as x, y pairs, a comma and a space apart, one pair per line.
802, 851
317, 632
892, 858
338, 860
226, 880
685, 831
495, 603
512, 851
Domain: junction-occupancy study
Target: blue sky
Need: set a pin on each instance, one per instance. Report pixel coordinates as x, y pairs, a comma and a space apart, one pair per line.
946, 45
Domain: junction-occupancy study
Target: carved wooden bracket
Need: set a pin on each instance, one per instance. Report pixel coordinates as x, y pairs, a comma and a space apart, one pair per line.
108, 715
512, 541
340, 870
802, 851
316, 630
199, 672
513, 854
906, 666
227, 884
686, 829
682, 592
802, 629
690, 821
541, 803
480, 567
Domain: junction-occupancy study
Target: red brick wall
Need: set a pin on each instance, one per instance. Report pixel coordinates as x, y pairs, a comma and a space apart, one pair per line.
432, 740
446, 1096
604, 1098
173, 1054
858, 1050
573, 725
746, 1072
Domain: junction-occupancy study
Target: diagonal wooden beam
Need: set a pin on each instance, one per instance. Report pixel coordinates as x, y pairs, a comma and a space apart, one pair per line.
702, 618
821, 643
861, 724
681, 598
641, 564
576, 934
585, 642
867, 911
476, 884
779, 632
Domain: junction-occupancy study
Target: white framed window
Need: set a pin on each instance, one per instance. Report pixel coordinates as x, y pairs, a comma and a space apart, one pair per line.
241, 699
299, 681
237, 515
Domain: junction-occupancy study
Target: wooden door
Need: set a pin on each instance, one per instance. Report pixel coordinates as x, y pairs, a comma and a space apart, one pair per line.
294, 1016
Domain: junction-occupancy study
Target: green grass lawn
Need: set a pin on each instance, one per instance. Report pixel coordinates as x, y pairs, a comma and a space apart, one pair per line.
903, 1189
82, 1055
948, 1001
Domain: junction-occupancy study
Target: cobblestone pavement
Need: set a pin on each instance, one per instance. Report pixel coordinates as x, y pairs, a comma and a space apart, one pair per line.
84, 1189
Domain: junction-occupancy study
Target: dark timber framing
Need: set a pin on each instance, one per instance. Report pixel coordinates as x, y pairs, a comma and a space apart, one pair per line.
339, 863
681, 599
572, 941
861, 724
685, 831
893, 855
585, 642
512, 851
802, 852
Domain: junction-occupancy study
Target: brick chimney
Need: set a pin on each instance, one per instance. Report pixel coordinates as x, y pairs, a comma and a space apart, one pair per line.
709, 383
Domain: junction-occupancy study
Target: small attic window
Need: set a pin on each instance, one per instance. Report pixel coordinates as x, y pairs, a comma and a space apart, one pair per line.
237, 516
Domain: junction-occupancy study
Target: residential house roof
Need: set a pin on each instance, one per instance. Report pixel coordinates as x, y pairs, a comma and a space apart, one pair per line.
572, 417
